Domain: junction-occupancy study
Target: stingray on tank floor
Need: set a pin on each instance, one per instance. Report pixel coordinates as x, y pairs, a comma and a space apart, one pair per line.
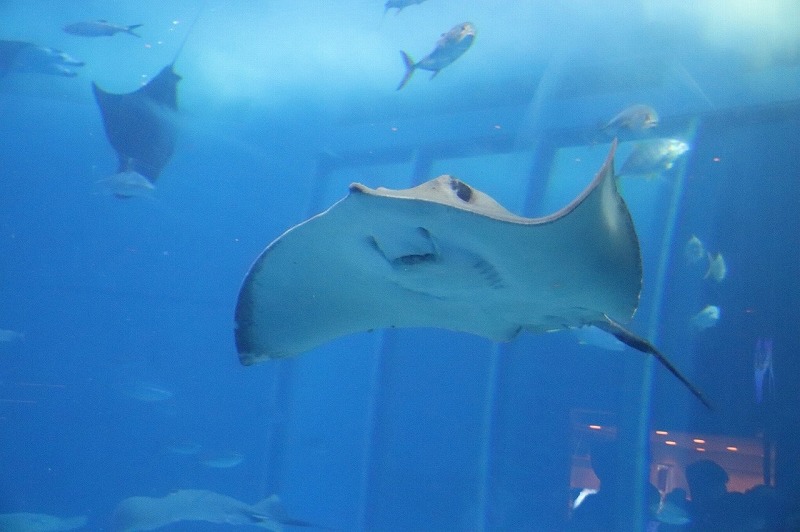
445, 255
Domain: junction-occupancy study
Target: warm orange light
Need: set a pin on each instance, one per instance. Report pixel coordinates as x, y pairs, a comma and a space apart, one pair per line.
732, 448
700, 449
662, 432
671, 442
595, 427
699, 440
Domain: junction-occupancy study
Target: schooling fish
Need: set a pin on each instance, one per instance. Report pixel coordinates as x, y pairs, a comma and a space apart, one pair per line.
400, 4
99, 28
635, 118
449, 47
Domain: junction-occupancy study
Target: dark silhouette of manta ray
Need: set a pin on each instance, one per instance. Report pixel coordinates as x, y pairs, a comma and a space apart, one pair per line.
140, 125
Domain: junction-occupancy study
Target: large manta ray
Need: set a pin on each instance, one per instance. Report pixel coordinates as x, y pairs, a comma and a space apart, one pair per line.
181, 506
443, 254
140, 125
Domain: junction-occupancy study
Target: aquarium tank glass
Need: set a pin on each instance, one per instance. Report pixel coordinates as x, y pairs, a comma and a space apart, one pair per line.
395, 265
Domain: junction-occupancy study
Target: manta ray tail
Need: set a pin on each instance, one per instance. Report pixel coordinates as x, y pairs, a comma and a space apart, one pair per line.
189, 31
410, 67
640, 344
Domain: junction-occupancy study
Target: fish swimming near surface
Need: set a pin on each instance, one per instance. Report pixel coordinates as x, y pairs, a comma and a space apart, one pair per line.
141, 127
634, 118
694, 251
26, 57
652, 157
400, 4
100, 28
449, 47
28, 522
717, 269
706, 318
445, 255
150, 513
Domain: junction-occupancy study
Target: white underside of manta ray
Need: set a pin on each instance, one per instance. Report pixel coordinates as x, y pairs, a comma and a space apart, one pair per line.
445, 255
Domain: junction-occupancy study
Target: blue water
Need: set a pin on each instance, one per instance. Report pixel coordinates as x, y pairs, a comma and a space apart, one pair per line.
125, 379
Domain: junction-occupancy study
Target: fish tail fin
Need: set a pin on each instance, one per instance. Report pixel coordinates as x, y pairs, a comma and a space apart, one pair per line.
132, 27
640, 344
410, 67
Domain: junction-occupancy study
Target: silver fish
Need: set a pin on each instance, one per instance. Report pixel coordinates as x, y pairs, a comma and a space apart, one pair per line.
717, 269
694, 251
449, 47
592, 336
99, 28
635, 118
147, 392
706, 318
400, 4
128, 184
653, 157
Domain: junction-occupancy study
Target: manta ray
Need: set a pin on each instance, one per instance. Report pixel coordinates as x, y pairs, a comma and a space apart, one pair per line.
22, 56
150, 513
140, 126
446, 255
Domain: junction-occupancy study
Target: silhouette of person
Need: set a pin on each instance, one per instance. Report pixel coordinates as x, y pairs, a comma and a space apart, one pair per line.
712, 506
602, 511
